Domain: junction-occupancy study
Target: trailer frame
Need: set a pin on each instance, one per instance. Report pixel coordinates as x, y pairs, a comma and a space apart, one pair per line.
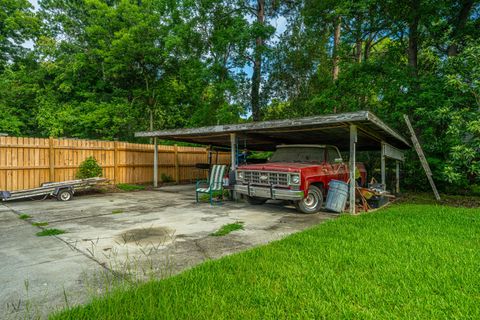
62, 191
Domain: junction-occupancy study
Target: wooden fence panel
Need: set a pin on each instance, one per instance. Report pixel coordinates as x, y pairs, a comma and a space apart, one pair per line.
28, 162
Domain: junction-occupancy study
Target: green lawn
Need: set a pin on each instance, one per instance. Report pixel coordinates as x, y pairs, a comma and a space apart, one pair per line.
407, 261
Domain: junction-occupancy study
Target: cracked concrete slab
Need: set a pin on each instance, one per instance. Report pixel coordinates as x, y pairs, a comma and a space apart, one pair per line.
146, 234
37, 271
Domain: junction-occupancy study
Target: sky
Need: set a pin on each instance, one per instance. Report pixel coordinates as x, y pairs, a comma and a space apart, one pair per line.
35, 3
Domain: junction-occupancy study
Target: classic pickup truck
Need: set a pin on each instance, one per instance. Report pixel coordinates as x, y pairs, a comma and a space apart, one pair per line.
299, 173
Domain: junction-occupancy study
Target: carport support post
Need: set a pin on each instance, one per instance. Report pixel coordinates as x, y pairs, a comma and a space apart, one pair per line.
353, 142
382, 164
155, 163
233, 151
397, 177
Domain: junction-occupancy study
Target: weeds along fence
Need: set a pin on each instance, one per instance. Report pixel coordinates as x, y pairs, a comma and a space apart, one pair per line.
28, 162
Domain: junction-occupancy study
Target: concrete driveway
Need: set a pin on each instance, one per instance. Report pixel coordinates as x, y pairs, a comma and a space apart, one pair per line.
132, 236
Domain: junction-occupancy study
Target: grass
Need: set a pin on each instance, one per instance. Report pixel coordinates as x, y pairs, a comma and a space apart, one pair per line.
215, 194
405, 261
40, 224
24, 216
50, 232
117, 211
130, 187
226, 229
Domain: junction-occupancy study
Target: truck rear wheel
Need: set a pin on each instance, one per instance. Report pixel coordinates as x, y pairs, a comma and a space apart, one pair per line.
312, 202
256, 200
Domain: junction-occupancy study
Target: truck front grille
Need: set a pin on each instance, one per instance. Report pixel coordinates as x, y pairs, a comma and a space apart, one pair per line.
266, 178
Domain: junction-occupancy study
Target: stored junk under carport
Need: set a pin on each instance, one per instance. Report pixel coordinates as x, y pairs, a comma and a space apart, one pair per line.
362, 131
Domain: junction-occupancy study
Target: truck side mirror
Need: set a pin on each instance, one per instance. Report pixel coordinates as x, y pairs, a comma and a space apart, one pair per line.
338, 160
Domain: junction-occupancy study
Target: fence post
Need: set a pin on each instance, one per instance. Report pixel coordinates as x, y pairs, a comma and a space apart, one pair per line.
51, 159
177, 165
115, 162
155, 163
209, 161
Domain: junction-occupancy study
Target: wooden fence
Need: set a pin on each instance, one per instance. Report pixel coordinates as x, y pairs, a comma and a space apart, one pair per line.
28, 162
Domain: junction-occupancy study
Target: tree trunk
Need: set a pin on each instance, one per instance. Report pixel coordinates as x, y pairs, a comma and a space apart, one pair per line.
151, 123
413, 38
358, 50
459, 26
257, 64
336, 47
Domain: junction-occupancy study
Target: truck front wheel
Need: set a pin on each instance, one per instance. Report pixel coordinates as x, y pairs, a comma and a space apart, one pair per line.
312, 202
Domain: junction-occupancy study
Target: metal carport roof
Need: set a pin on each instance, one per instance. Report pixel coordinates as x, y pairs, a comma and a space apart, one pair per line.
327, 129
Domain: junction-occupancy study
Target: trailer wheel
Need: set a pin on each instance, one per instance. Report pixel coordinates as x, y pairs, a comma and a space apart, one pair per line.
256, 200
64, 195
312, 202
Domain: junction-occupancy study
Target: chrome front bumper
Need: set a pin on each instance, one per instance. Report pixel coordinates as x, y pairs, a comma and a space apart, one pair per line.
269, 193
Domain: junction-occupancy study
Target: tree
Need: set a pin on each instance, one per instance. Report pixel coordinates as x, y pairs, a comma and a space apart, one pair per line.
17, 25
459, 24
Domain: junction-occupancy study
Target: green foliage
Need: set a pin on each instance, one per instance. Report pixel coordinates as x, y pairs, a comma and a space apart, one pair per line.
89, 168
407, 261
17, 25
166, 178
117, 211
226, 229
50, 232
24, 216
260, 155
130, 187
463, 124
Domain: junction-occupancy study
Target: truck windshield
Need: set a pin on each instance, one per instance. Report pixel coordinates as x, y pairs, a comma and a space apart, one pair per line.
299, 154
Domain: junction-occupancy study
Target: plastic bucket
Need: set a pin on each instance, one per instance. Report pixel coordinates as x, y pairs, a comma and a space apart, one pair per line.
337, 196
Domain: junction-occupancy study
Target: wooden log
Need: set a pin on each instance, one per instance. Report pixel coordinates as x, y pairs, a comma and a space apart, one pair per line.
422, 157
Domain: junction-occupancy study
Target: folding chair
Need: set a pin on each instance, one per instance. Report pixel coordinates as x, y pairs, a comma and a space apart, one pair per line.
214, 183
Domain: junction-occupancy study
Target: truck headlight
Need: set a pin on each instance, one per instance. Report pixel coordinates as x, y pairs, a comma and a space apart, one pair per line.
240, 175
295, 179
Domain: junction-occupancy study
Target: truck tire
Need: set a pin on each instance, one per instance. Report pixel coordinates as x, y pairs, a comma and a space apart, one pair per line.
64, 195
256, 200
313, 202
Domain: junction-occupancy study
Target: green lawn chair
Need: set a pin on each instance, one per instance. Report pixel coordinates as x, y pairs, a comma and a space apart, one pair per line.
214, 183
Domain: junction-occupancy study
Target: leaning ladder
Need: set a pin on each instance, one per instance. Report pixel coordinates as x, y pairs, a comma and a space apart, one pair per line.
421, 155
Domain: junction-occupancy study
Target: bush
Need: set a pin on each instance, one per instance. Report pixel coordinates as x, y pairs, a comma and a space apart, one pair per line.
166, 178
89, 169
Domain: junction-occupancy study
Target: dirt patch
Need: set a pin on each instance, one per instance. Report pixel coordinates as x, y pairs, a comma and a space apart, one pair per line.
155, 235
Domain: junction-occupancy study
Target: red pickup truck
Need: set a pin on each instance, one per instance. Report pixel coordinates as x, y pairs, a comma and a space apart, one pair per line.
299, 173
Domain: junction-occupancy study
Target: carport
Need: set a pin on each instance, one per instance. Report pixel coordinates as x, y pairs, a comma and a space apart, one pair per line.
350, 132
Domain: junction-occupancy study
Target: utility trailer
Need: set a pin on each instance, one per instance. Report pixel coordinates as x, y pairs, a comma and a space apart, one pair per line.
63, 191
